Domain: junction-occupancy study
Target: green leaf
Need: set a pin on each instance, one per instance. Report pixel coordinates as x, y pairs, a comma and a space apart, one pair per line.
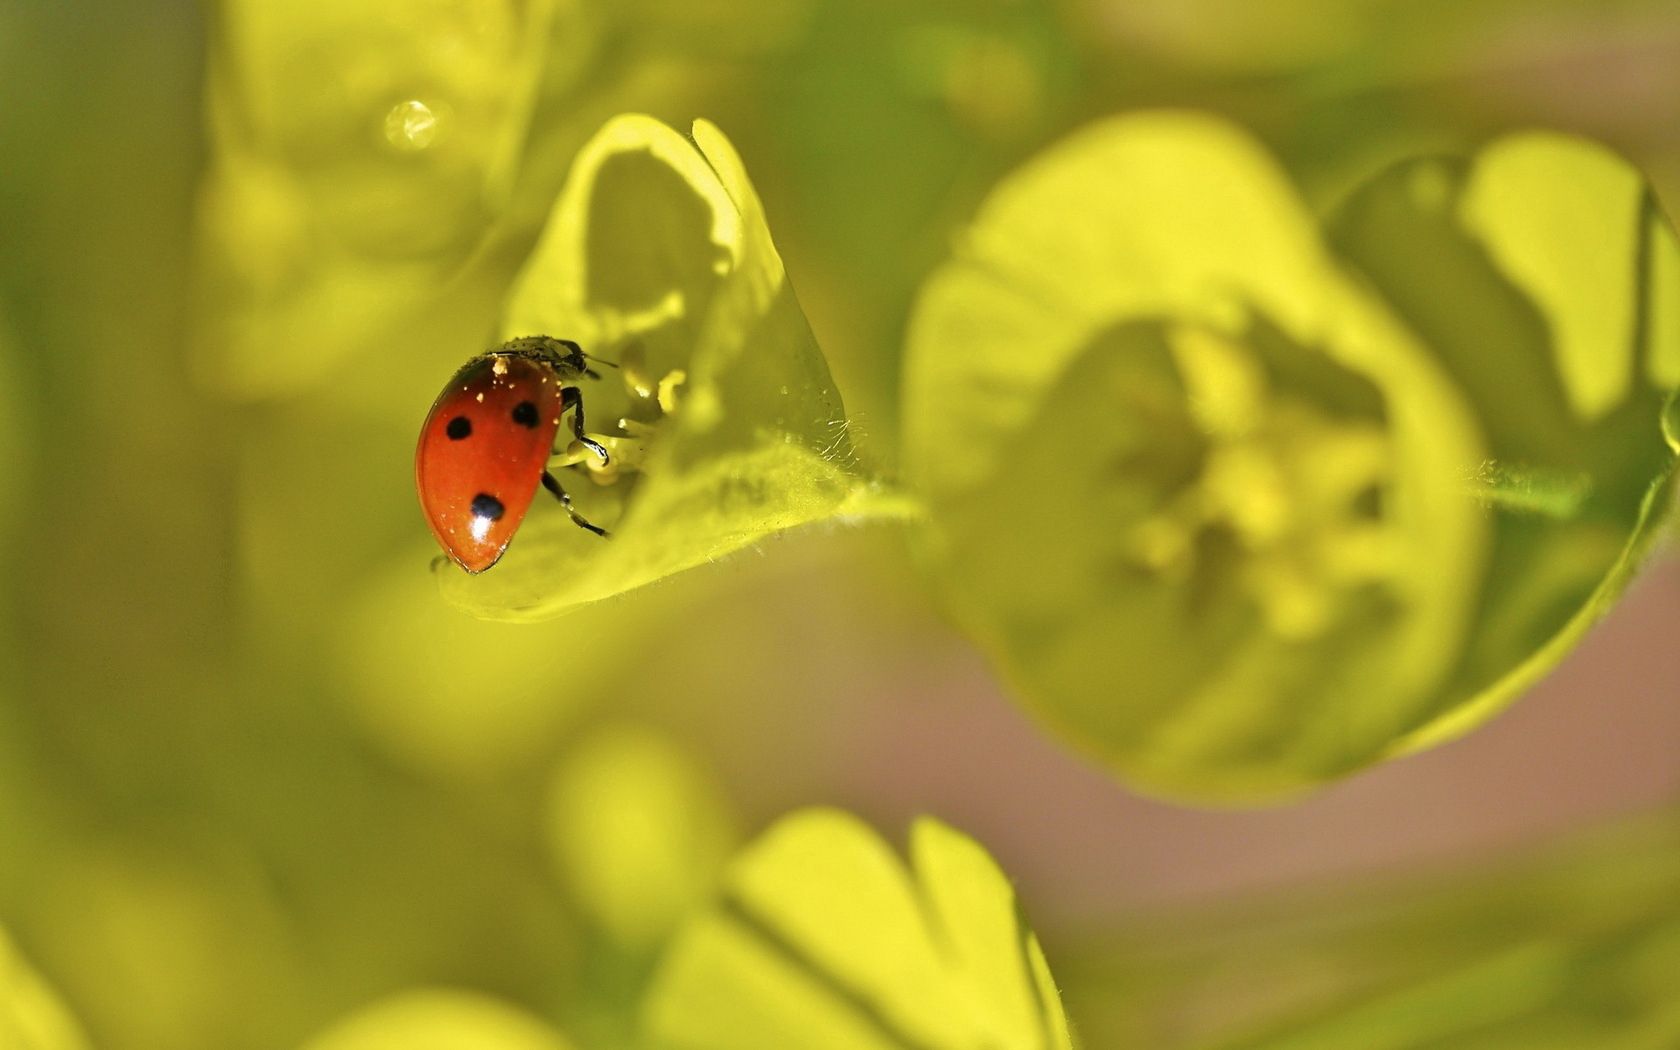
657, 255
31, 1015
824, 941
441, 1019
639, 832
1198, 492
360, 153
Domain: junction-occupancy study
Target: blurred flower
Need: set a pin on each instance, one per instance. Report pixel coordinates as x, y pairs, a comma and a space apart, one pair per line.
638, 831
361, 150
31, 1016
823, 938
1241, 515
439, 1019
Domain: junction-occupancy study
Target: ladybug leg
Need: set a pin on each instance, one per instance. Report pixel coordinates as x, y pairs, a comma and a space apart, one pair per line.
571, 397
552, 484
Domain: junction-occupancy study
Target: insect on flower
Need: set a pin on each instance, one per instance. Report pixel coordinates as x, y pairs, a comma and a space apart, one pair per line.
485, 445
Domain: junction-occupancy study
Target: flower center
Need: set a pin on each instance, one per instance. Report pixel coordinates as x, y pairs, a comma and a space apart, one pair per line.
1294, 487
651, 401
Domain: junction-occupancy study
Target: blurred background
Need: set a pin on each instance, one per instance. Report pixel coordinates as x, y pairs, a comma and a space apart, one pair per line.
255, 774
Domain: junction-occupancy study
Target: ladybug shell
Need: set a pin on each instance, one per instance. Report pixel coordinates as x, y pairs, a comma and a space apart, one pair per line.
482, 453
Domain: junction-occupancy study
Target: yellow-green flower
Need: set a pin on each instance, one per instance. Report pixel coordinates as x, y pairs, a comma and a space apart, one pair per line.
823, 937
1241, 511
361, 153
724, 422
440, 1019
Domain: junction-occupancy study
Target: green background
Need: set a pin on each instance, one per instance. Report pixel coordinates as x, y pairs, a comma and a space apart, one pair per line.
255, 774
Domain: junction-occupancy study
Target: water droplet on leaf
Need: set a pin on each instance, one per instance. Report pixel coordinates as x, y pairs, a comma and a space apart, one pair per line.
413, 126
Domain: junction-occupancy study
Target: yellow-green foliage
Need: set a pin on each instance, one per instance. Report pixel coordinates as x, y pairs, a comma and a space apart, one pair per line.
1247, 467
1570, 947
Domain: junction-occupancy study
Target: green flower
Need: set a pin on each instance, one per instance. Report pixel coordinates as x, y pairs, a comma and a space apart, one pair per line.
361, 152
1241, 514
824, 940
724, 423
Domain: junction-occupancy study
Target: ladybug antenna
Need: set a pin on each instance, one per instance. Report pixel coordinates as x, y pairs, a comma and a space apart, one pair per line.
590, 372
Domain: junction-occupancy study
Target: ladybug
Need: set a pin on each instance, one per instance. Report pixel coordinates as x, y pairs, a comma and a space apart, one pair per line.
485, 445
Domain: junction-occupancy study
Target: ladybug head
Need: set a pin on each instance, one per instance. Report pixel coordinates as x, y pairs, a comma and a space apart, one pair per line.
564, 356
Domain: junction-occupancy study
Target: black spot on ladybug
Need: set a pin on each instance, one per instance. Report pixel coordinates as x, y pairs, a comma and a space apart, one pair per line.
525, 414
459, 428
485, 505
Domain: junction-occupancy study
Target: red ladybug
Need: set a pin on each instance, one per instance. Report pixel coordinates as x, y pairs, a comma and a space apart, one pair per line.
485, 445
